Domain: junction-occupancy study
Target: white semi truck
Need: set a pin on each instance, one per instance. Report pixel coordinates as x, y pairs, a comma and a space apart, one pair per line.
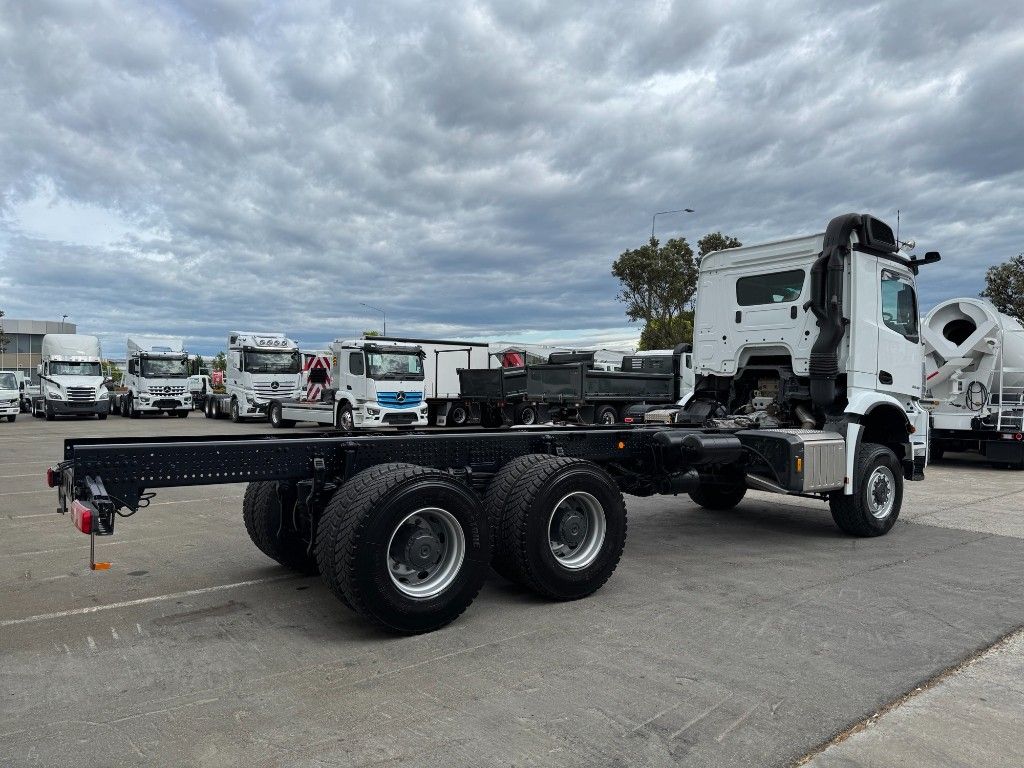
373, 383
71, 380
156, 379
10, 396
261, 367
974, 373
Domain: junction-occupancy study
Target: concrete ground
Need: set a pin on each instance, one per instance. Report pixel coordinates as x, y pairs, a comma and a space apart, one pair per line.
748, 638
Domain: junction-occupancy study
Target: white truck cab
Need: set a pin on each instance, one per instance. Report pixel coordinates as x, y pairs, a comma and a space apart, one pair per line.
374, 383
262, 367
70, 378
156, 378
10, 395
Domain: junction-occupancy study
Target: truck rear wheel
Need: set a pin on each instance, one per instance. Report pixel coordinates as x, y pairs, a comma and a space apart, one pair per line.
496, 501
457, 416
407, 547
525, 414
877, 493
261, 511
563, 528
718, 497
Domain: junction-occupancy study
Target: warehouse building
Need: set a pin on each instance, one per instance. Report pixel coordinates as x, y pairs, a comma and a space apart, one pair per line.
25, 342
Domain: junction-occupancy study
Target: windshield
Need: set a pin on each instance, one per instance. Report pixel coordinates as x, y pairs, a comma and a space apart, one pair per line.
272, 362
394, 365
62, 368
7, 381
156, 368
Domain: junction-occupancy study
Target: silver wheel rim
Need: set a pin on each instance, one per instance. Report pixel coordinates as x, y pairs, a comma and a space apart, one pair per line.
425, 552
275, 415
881, 492
458, 415
608, 417
346, 420
528, 416
576, 530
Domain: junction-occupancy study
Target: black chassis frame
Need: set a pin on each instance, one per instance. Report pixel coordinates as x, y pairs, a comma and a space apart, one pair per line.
111, 475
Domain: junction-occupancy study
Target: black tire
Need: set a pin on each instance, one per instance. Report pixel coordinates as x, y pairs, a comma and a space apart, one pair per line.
123, 407
132, 412
526, 414
101, 416
181, 414
275, 418
496, 502
236, 414
261, 511
458, 415
530, 508
48, 411
935, 452
209, 409
857, 514
718, 497
344, 419
12, 418
491, 418
358, 527
606, 414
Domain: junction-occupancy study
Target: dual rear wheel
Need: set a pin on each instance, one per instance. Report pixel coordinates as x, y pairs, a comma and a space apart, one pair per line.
410, 547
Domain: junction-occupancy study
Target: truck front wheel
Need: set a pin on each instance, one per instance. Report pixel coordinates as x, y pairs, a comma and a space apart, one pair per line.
236, 414
718, 497
563, 528
277, 421
48, 411
405, 546
344, 419
606, 414
525, 414
874, 506
457, 416
261, 511
11, 418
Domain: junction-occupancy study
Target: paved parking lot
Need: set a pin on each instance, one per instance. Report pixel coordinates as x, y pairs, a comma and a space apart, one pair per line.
739, 639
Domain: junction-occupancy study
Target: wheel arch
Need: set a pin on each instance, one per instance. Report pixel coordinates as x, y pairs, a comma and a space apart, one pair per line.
875, 417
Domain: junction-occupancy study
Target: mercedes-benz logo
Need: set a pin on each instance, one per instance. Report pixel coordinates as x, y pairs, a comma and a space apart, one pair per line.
400, 397
275, 385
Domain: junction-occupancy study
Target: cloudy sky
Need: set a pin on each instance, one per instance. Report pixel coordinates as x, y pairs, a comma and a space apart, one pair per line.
474, 167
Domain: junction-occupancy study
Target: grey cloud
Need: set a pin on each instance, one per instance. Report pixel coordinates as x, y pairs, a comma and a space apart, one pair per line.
476, 167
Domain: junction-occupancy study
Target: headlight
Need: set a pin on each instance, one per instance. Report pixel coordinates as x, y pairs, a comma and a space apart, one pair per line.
56, 395
373, 411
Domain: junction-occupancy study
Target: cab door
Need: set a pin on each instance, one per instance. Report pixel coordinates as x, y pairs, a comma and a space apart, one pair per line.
353, 375
900, 357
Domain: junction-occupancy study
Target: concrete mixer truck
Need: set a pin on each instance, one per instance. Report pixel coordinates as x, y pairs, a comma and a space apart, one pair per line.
974, 374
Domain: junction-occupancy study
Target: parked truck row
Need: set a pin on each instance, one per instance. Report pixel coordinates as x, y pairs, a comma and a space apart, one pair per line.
807, 381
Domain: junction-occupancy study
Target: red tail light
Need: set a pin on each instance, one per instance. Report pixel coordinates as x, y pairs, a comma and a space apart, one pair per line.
81, 516
1018, 436
628, 420
52, 477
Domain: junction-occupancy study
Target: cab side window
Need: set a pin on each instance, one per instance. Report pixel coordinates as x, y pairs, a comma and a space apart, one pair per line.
355, 364
133, 366
771, 288
899, 305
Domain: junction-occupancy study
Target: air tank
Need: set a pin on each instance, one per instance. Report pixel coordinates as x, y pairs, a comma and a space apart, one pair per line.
963, 339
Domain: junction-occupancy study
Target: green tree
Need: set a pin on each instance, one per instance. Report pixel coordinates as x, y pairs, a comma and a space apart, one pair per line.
196, 365
1004, 286
4, 338
220, 361
369, 334
657, 283
715, 241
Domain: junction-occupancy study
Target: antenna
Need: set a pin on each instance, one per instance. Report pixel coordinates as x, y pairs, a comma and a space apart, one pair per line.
907, 246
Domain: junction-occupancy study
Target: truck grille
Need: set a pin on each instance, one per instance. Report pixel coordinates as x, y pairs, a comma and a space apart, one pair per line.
392, 400
168, 390
81, 395
267, 391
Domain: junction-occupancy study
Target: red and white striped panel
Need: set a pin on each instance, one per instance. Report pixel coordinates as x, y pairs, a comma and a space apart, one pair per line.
311, 360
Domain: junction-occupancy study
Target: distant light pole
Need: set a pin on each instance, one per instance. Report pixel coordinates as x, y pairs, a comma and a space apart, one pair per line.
378, 309
65, 317
662, 213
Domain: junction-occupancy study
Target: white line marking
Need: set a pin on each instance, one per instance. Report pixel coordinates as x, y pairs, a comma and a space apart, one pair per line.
104, 545
27, 474
92, 643
142, 601
113, 634
27, 493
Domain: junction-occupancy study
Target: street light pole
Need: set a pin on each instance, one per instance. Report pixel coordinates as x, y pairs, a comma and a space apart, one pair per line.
378, 309
662, 213
65, 317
